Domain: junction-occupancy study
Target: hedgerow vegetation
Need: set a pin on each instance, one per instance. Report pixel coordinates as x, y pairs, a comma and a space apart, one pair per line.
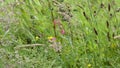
59, 33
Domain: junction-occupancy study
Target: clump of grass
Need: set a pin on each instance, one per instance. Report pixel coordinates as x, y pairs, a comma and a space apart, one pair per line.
91, 27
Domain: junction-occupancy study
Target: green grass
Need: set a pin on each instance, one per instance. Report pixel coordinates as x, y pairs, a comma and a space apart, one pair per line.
89, 41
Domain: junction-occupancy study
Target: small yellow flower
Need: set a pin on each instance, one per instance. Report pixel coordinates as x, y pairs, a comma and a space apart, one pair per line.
89, 65
49, 38
36, 38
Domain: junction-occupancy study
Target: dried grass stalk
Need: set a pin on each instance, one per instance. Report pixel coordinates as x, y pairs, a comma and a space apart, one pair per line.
27, 46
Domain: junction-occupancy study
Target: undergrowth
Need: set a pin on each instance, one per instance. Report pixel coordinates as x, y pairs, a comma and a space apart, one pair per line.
59, 34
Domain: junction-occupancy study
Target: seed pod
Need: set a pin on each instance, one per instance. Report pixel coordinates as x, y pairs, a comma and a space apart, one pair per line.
96, 41
95, 31
108, 36
113, 35
109, 7
80, 7
94, 13
111, 15
85, 15
107, 23
101, 5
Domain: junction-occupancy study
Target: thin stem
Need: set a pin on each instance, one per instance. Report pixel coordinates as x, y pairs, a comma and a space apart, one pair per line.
71, 33
52, 16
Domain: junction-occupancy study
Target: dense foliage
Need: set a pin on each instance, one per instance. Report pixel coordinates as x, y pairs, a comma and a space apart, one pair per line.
59, 33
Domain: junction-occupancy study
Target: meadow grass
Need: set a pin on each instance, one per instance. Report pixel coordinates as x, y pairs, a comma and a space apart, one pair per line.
59, 34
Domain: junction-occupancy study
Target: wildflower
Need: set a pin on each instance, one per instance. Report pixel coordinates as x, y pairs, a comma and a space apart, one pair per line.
51, 39
89, 65
36, 38
56, 21
62, 31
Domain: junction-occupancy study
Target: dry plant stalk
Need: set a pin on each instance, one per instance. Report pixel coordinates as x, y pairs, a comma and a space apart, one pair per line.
27, 46
117, 37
